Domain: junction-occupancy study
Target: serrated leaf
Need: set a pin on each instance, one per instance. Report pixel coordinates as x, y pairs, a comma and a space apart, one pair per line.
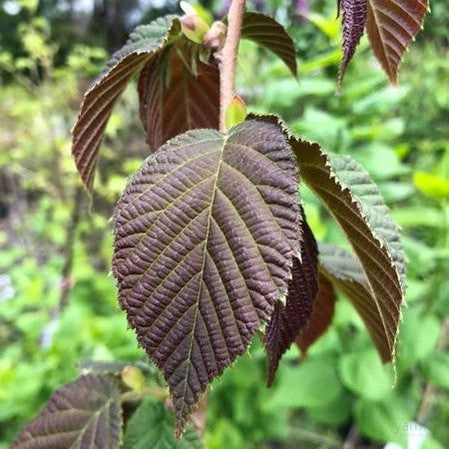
266, 32
178, 92
322, 315
391, 26
144, 43
354, 201
353, 19
205, 234
345, 272
288, 320
85, 414
151, 426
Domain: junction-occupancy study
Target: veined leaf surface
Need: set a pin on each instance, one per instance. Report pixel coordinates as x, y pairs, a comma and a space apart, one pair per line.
322, 314
266, 32
205, 234
391, 26
354, 201
345, 272
354, 19
85, 414
175, 97
144, 43
288, 320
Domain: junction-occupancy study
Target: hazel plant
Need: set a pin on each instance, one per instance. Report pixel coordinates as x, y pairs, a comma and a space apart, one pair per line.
211, 240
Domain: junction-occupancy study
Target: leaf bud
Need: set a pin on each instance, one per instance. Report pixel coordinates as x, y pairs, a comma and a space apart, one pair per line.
215, 37
236, 112
133, 378
194, 27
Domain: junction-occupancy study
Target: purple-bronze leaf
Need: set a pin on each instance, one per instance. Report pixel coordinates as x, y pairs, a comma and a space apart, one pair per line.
145, 42
85, 414
173, 98
288, 320
391, 27
353, 19
205, 234
322, 315
266, 32
356, 204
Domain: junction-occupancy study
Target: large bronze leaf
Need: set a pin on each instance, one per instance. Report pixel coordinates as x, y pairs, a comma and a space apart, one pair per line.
178, 92
144, 43
353, 199
205, 234
322, 314
266, 32
85, 414
391, 26
288, 320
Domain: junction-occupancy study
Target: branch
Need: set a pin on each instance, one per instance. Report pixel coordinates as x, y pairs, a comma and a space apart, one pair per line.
352, 438
228, 58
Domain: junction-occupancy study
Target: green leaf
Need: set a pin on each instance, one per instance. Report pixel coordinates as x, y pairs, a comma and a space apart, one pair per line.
436, 369
328, 129
380, 161
151, 426
266, 32
205, 234
384, 421
416, 216
335, 413
431, 185
177, 92
354, 201
144, 42
363, 373
85, 414
419, 336
314, 383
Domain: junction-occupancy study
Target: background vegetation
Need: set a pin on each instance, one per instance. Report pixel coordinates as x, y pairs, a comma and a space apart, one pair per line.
58, 306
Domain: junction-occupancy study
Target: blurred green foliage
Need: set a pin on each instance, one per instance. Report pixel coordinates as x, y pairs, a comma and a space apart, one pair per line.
401, 136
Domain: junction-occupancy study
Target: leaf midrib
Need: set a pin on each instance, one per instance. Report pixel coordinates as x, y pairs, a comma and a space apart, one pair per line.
203, 264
